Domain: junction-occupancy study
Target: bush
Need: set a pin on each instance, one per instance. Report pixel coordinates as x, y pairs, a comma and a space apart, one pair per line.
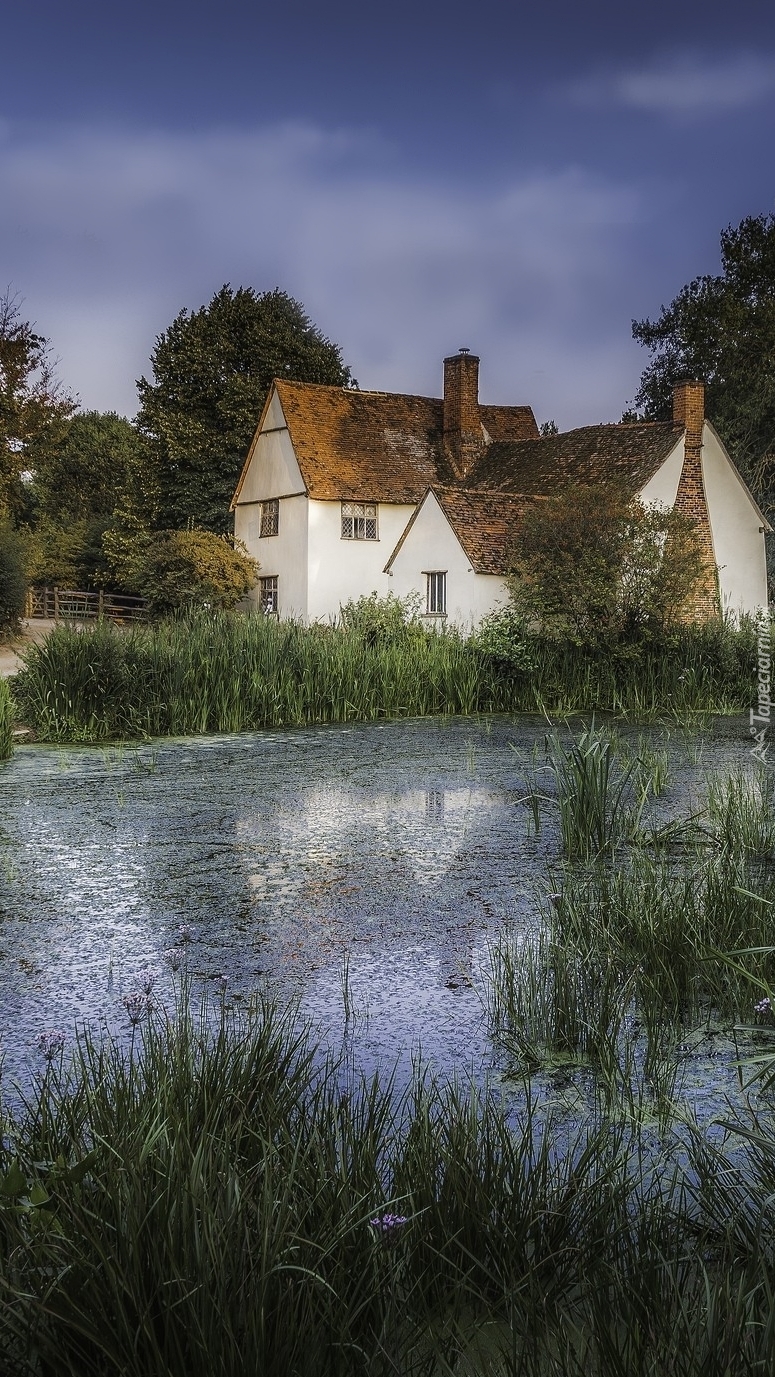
592, 566
382, 621
183, 569
13, 579
504, 637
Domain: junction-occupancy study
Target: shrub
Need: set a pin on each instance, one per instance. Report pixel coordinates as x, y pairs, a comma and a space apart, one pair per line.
593, 566
13, 579
382, 621
504, 637
181, 569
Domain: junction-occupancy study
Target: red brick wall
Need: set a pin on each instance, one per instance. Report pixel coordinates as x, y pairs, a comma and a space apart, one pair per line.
462, 425
689, 416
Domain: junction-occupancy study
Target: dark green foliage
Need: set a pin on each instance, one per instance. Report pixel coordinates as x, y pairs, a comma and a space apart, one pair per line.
212, 370
722, 329
202, 1204
13, 578
83, 476
381, 621
33, 407
595, 567
179, 570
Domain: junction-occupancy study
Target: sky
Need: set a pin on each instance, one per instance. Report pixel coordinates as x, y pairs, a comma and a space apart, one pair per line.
518, 179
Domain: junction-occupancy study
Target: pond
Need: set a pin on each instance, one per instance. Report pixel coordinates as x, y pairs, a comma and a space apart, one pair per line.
364, 868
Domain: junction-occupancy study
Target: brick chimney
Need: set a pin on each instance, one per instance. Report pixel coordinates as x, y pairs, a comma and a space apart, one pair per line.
689, 416
689, 408
463, 438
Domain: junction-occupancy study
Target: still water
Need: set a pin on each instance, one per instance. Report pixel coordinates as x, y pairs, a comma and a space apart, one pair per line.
366, 866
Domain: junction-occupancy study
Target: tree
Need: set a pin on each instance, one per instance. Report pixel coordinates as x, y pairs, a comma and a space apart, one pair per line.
34, 408
84, 475
722, 329
595, 566
212, 370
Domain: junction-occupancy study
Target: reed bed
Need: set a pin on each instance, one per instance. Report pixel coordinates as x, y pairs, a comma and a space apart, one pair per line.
213, 672
216, 1200
6, 720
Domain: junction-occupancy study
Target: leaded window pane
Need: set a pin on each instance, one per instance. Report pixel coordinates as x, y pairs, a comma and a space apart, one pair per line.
359, 521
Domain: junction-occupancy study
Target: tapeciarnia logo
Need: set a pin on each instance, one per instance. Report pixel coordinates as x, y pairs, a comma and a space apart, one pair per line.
761, 715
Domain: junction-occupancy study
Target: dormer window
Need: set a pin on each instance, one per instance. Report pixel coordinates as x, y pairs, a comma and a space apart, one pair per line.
359, 521
270, 517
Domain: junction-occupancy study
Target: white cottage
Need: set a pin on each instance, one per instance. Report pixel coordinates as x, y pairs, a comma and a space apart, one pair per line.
346, 492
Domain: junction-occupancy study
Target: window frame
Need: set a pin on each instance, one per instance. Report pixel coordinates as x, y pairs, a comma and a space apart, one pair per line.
268, 584
435, 584
364, 512
270, 518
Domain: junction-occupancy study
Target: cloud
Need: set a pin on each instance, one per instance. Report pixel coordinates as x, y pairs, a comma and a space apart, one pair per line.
108, 234
687, 84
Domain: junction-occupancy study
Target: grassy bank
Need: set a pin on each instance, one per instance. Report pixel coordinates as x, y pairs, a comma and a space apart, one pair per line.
210, 1203
219, 673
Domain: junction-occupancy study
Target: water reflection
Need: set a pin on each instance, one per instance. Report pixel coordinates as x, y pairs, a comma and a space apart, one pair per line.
401, 844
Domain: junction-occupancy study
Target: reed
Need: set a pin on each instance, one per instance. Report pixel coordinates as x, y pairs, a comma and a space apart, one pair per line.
217, 672
202, 1202
6, 721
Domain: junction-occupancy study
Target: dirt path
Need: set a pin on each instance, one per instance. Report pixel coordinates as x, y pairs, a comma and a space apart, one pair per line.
11, 651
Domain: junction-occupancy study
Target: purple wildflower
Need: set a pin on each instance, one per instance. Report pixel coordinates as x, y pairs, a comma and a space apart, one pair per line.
388, 1226
51, 1043
146, 979
174, 957
137, 1005
763, 1007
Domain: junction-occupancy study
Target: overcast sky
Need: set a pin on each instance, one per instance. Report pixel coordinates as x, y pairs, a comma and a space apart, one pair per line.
522, 180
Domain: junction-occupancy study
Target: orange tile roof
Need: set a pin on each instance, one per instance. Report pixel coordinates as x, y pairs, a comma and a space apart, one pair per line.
485, 524
378, 446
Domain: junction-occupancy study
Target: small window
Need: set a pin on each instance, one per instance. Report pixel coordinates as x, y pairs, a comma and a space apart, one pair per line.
359, 521
436, 594
268, 594
270, 517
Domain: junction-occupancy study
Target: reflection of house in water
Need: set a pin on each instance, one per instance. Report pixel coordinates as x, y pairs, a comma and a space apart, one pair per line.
434, 805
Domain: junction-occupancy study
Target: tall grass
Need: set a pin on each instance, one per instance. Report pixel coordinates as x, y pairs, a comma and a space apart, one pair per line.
202, 1205
218, 672
6, 720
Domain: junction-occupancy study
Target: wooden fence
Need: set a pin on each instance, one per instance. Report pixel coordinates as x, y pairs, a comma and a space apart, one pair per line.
59, 604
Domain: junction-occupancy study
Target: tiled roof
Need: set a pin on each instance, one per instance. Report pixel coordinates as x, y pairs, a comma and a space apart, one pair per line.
485, 524
378, 446
629, 454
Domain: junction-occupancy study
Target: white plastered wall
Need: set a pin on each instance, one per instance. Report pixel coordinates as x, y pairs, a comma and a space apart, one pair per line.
662, 488
343, 569
272, 471
738, 540
431, 545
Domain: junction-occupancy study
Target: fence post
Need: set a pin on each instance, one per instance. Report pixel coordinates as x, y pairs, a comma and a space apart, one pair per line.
101, 605
56, 603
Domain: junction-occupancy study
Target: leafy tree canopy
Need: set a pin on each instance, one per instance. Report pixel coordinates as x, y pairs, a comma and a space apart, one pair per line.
212, 370
34, 408
83, 476
722, 329
595, 567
